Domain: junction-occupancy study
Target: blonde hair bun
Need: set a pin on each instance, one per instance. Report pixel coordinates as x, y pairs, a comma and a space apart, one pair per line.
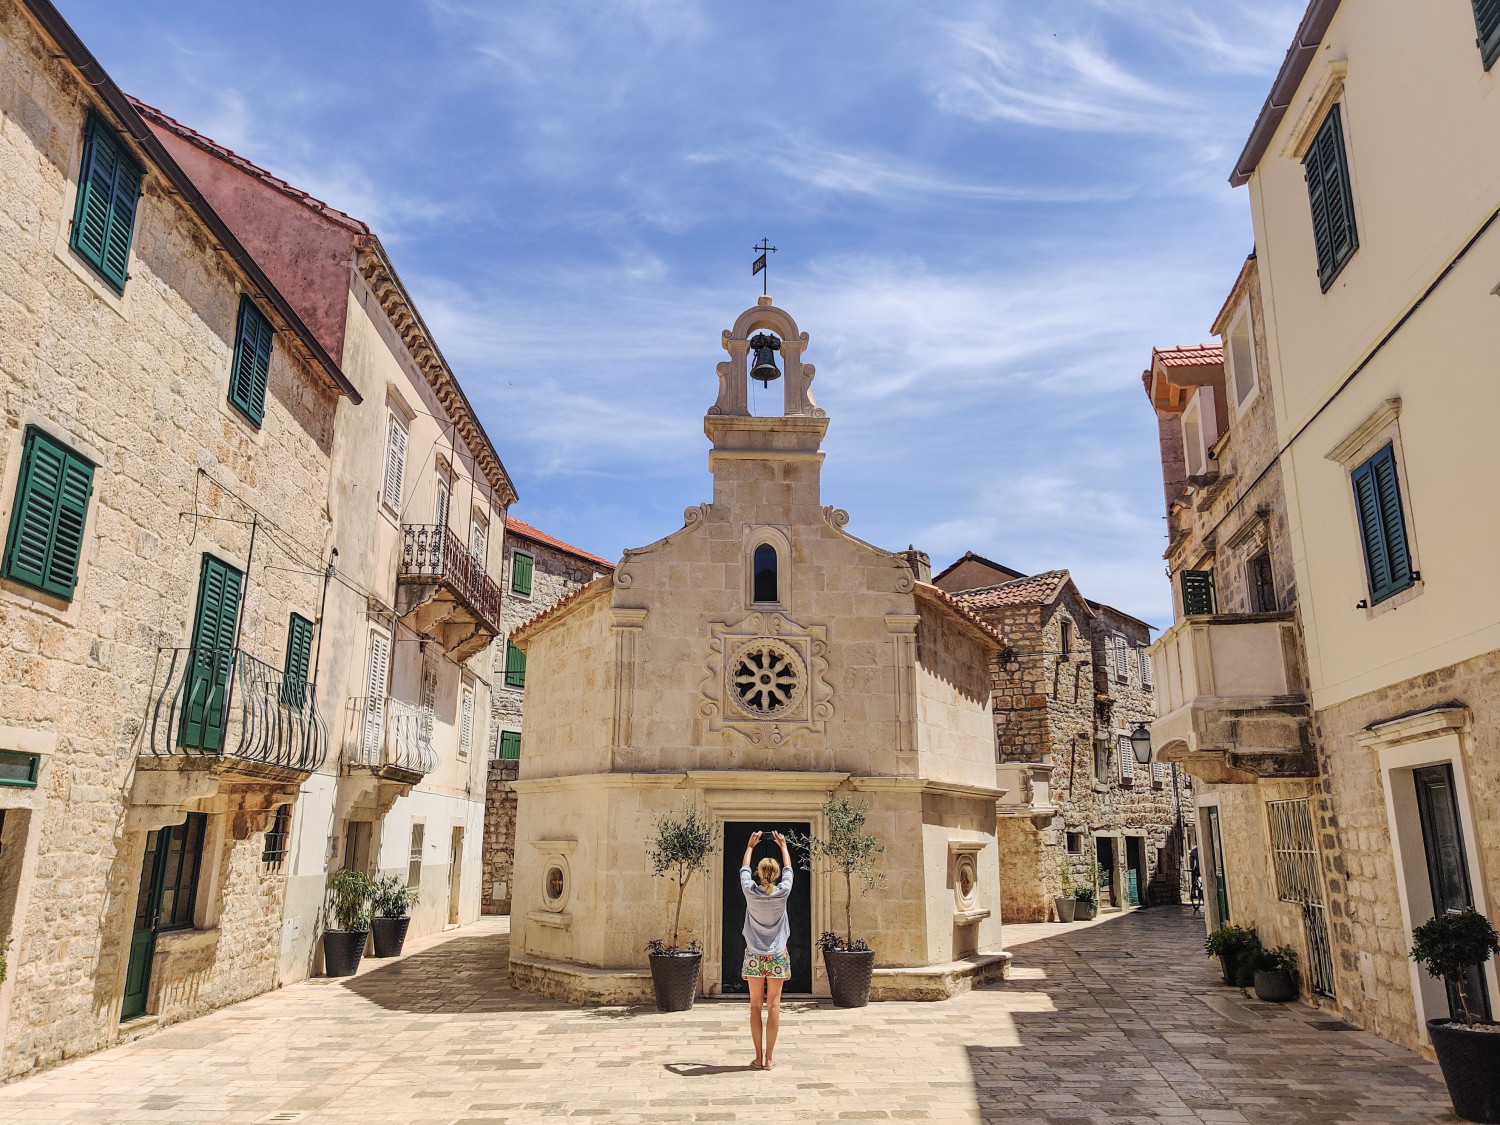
768, 871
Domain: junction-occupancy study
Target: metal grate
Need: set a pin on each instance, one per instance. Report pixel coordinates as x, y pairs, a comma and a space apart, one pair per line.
1295, 856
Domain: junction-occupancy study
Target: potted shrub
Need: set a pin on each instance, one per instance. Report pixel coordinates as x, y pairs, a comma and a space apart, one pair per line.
848, 852
683, 845
1231, 944
350, 906
1276, 974
1086, 898
392, 901
1468, 1050
1066, 904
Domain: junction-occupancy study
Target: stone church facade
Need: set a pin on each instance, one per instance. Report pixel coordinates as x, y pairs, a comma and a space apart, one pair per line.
749, 665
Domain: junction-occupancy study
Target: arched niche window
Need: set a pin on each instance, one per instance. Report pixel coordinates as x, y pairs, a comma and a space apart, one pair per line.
766, 579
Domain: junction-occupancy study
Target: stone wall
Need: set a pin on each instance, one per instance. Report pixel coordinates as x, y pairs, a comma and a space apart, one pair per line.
499, 837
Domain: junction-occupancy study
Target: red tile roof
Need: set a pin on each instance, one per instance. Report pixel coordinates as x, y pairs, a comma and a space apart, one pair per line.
1188, 355
956, 607
1034, 589
523, 530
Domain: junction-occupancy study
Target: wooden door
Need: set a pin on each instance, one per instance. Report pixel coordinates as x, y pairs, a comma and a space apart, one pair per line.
1448, 868
143, 933
1216, 856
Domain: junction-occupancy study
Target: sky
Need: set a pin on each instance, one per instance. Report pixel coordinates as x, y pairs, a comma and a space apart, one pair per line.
986, 216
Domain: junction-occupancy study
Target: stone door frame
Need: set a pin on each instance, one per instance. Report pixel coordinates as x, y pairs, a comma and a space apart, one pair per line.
761, 795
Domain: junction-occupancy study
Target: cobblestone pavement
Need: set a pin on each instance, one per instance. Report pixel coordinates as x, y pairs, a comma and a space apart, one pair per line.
1120, 1022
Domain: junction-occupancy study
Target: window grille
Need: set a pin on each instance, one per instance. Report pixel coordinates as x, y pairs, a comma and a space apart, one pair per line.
276, 837
1294, 857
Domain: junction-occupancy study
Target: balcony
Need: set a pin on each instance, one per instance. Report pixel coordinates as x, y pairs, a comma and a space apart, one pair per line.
1027, 791
443, 593
393, 740
224, 709
1232, 697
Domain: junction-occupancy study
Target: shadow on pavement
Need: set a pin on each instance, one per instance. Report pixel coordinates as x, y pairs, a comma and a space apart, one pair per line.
465, 974
703, 1070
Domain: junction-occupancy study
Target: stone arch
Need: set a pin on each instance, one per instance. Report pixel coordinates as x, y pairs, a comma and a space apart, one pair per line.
734, 373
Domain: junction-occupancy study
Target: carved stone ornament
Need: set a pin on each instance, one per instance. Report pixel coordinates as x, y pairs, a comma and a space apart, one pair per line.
767, 679
965, 880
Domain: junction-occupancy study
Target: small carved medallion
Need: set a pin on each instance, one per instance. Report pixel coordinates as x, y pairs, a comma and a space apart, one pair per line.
768, 678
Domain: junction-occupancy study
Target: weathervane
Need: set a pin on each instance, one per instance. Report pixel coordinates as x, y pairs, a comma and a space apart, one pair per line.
760, 265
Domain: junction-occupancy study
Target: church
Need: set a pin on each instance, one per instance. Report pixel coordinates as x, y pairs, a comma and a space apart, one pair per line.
751, 664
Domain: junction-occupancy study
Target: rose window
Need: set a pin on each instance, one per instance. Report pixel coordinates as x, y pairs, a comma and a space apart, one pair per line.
768, 678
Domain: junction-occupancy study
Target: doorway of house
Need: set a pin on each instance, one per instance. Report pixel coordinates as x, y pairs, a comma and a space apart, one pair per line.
1216, 857
455, 872
1135, 871
799, 908
1104, 854
1448, 870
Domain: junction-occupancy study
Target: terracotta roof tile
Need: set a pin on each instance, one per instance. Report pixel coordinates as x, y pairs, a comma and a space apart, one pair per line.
1034, 589
519, 633
524, 530
1188, 355
959, 609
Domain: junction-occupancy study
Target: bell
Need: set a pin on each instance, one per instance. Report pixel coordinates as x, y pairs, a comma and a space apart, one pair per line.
764, 367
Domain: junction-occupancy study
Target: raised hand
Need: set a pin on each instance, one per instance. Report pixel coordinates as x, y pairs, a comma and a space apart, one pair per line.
778, 837
754, 838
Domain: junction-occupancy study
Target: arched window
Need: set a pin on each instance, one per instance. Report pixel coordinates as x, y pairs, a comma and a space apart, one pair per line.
765, 589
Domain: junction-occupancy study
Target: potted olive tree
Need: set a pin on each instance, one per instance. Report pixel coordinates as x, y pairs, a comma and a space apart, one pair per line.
682, 846
1468, 1050
1066, 904
1276, 974
350, 906
1231, 944
848, 852
392, 900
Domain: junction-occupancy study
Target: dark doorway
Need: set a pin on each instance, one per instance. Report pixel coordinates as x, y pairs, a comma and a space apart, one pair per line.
1216, 857
1262, 584
1104, 852
736, 835
1135, 871
1448, 869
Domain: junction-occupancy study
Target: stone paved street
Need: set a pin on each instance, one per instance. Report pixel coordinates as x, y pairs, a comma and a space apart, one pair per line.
1120, 1021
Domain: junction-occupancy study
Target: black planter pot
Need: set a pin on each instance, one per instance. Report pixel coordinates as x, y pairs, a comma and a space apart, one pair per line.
1084, 910
849, 973
390, 935
1470, 1061
342, 950
674, 976
1276, 985
1230, 964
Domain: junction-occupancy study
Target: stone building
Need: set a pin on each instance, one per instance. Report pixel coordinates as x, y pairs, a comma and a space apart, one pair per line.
541, 570
749, 665
167, 452
1071, 683
1376, 342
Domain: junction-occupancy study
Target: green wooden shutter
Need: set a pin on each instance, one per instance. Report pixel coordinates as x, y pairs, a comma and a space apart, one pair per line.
299, 636
1197, 592
1487, 20
520, 574
1326, 169
46, 525
515, 666
210, 663
510, 745
1382, 525
250, 372
109, 186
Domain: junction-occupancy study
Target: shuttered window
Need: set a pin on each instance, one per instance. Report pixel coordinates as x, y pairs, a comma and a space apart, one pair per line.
109, 186
395, 464
1197, 592
465, 721
299, 635
1326, 168
1126, 753
1146, 678
377, 672
45, 541
1160, 772
515, 666
251, 368
1382, 526
1487, 20
211, 661
1122, 660
520, 574
510, 745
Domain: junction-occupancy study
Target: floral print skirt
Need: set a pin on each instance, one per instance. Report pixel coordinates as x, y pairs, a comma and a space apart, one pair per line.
776, 966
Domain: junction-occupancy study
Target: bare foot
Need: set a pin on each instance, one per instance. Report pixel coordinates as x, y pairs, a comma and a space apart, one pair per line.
758, 1065
769, 1065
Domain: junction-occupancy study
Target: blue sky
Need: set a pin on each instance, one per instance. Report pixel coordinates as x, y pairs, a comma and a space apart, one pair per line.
987, 214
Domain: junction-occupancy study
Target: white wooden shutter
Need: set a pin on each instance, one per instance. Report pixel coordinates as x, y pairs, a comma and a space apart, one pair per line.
1146, 678
476, 547
444, 502
429, 700
466, 721
1122, 659
1127, 758
375, 691
1160, 772
395, 464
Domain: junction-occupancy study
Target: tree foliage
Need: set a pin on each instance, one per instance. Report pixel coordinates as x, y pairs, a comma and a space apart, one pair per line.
847, 850
351, 899
683, 845
1452, 943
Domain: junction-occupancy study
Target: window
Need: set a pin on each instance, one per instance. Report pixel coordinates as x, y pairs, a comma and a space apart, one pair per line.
1382, 526
1145, 659
1122, 659
444, 503
1241, 361
429, 701
376, 674
520, 574
1075, 843
1160, 773
465, 721
479, 540
1197, 592
1487, 21
109, 186
765, 589
250, 371
183, 848
515, 666
1101, 760
1261, 583
211, 660
510, 745
1192, 439
1067, 640
299, 635
45, 541
275, 847
1126, 755
395, 464
1326, 168
414, 856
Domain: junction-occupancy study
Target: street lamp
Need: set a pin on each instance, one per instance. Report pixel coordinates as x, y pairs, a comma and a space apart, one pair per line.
1140, 743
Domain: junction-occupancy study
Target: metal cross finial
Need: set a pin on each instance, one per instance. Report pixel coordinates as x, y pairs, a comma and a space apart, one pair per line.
760, 263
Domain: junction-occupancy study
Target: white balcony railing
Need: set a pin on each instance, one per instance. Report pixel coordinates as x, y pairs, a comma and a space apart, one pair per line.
392, 735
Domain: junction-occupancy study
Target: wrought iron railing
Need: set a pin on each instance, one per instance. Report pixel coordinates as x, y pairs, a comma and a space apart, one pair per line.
430, 551
224, 703
390, 734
